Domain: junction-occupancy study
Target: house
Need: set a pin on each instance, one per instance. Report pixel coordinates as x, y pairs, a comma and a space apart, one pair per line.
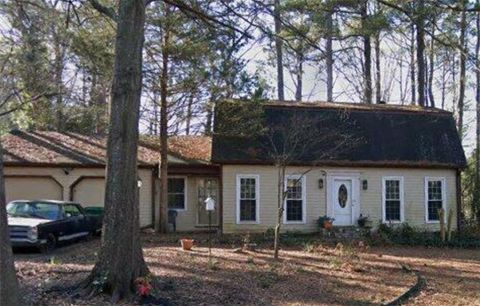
391, 163
71, 167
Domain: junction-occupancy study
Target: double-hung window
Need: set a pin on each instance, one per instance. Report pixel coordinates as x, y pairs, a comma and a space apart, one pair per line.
392, 199
176, 193
248, 198
295, 205
434, 198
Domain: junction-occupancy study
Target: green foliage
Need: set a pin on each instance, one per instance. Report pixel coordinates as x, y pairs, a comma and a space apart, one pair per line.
245, 118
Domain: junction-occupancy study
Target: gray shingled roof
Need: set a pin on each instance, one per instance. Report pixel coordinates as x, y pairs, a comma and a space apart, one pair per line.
386, 135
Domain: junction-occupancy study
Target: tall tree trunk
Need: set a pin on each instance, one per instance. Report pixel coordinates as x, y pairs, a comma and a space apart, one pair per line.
120, 261
329, 54
463, 66
298, 89
189, 113
420, 26
367, 56
476, 194
8, 279
279, 50
431, 98
378, 75
163, 226
209, 119
412, 64
58, 74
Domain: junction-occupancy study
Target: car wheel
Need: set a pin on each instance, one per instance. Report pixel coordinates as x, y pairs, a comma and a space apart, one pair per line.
50, 245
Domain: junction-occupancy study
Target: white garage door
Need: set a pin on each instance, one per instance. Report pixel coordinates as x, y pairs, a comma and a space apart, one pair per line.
90, 192
32, 188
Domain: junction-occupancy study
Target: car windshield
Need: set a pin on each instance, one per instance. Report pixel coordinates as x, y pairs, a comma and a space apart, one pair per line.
40, 210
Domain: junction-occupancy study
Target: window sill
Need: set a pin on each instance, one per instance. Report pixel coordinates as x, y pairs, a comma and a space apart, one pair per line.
178, 209
433, 222
294, 222
247, 222
392, 222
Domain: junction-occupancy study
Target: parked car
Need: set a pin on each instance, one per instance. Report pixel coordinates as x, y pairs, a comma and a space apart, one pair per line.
44, 223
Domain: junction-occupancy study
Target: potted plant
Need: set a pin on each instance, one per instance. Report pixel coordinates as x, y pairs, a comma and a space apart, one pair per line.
187, 244
363, 221
326, 222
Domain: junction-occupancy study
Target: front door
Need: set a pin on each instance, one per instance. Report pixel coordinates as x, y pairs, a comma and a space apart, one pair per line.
207, 187
342, 201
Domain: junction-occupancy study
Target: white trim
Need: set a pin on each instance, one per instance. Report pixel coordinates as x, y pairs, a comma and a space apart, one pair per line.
185, 193
444, 197
68, 237
256, 177
402, 199
304, 199
354, 177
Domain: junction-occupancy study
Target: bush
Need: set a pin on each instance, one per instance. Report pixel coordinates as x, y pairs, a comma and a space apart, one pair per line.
404, 234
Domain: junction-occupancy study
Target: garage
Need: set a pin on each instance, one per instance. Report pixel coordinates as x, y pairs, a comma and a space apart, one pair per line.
89, 191
32, 188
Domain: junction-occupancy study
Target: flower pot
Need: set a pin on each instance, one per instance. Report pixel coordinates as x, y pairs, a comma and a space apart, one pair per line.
328, 224
187, 244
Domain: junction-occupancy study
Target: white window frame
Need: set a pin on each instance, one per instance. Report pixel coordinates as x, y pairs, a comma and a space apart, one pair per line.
185, 193
444, 197
402, 199
256, 177
304, 199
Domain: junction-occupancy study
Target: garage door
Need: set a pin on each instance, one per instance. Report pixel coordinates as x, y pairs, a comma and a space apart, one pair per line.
32, 188
90, 192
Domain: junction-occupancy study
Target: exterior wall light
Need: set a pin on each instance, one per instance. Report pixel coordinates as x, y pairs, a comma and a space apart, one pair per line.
364, 184
320, 183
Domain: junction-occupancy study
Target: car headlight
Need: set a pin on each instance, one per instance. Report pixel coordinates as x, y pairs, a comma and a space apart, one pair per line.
32, 233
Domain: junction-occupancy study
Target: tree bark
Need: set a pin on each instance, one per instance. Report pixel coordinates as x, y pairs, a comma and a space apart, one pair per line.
431, 98
378, 75
8, 279
412, 65
120, 260
298, 89
420, 26
163, 226
463, 66
329, 55
367, 56
279, 50
476, 194
280, 208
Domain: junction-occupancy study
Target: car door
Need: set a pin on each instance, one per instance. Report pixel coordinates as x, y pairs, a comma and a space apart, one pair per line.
76, 222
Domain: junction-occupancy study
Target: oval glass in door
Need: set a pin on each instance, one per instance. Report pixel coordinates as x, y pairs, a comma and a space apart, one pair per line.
342, 202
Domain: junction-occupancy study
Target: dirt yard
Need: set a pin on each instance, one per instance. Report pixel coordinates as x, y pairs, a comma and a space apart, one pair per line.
307, 275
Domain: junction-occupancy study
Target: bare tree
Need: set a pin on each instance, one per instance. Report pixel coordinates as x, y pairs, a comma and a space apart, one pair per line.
291, 140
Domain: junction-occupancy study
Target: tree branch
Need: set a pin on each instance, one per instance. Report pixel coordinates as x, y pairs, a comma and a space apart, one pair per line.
105, 10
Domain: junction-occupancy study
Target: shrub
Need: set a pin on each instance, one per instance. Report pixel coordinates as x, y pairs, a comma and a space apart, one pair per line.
404, 234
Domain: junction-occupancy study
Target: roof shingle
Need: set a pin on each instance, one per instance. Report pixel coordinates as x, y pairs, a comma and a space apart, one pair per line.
54, 148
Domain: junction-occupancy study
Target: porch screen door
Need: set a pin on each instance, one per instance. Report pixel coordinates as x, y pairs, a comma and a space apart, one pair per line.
207, 187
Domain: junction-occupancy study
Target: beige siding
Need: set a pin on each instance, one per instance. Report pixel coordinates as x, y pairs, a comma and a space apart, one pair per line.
24, 188
68, 177
316, 198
